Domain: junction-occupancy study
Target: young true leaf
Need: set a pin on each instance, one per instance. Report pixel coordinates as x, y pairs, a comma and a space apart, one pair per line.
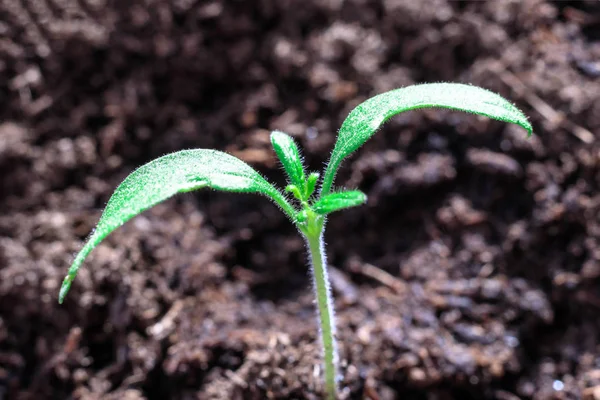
311, 184
338, 201
367, 117
289, 155
162, 178
293, 189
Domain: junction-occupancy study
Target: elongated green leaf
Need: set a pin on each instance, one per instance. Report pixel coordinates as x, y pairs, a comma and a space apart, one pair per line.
367, 117
289, 155
162, 178
338, 201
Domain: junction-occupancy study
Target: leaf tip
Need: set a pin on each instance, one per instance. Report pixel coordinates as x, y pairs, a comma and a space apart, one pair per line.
64, 289
528, 128
275, 135
525, 124
364, 197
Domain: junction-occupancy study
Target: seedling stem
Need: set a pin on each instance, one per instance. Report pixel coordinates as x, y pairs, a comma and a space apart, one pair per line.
318, 262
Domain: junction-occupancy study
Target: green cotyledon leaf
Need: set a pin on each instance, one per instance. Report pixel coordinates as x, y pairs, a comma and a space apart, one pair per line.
338, 201
166, 176
367, 117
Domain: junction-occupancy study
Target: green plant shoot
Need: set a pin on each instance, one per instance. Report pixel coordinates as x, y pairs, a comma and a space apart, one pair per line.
189, 170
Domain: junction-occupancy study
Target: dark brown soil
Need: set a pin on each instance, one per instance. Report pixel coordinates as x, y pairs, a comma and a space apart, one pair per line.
472, 273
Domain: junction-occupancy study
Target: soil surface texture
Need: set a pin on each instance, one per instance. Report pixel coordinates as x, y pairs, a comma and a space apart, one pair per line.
472, 273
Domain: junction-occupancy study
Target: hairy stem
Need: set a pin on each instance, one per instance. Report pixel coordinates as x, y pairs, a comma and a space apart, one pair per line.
325, 310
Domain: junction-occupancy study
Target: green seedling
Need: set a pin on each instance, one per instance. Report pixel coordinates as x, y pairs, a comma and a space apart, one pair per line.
305, 206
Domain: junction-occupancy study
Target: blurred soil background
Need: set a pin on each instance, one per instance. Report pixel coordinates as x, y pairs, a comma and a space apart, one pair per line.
472, 273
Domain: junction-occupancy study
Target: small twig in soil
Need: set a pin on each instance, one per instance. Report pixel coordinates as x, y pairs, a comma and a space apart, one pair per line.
554, 118
381, 276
